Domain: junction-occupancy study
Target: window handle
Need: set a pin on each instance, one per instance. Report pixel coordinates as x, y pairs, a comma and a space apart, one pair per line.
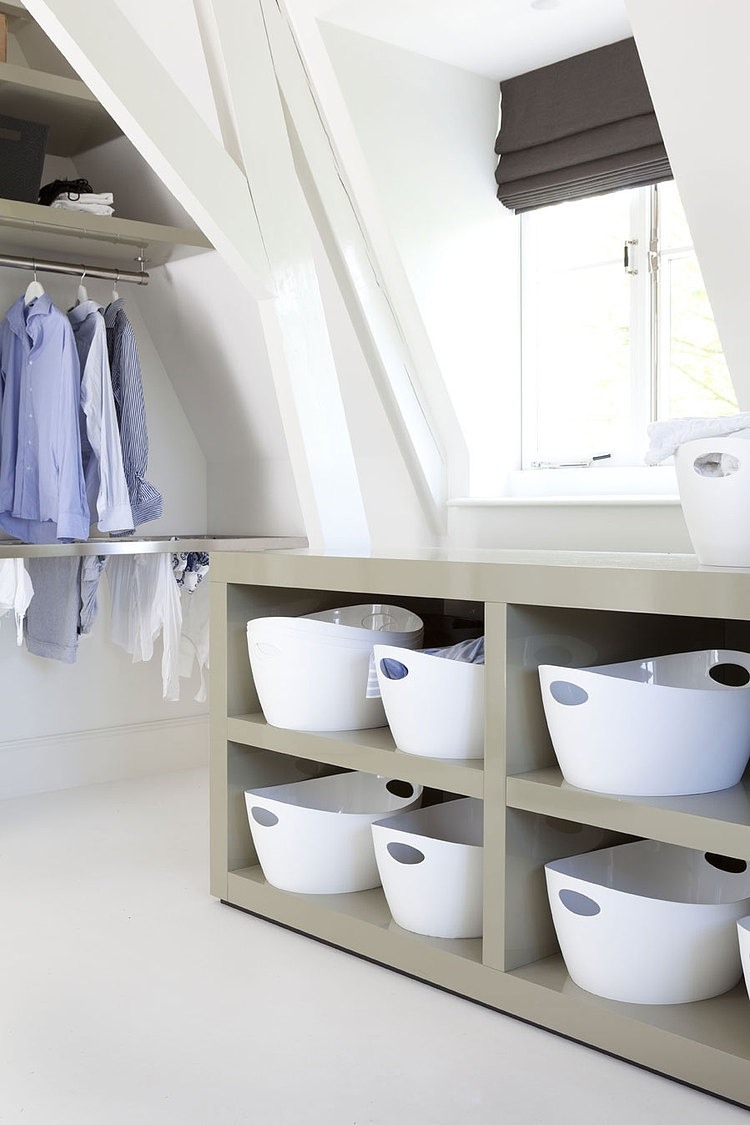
628, 256
583, 464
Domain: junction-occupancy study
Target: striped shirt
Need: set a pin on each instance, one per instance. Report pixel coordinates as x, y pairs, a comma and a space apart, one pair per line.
127, 385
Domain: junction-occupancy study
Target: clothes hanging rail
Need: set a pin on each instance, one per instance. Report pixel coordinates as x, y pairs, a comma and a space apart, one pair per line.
137, 277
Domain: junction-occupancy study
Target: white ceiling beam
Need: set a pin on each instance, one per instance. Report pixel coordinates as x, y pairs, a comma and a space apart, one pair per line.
294, 323
135, 89
390, 326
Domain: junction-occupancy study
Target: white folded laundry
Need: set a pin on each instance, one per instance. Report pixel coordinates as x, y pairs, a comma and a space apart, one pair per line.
103, 197
664, 437
90, 208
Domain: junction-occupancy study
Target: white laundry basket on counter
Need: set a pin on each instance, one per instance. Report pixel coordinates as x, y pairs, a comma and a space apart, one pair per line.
663, 726
713, 478
436, 706
314, 836
649, 923
743, 934
430, 864
311, 672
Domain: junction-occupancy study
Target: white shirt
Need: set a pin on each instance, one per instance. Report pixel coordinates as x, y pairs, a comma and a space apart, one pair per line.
16, 591
145, 601
106, 487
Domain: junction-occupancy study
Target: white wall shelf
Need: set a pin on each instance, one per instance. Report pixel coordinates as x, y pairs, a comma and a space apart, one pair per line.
75, 118
103, 240
616, 607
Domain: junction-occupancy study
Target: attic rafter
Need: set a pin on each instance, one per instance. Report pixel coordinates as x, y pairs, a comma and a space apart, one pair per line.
103, 47
360, 245
294, 324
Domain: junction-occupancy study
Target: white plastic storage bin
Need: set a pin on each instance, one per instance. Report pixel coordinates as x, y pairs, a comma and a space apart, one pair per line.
713, 478
437, 708
430, 864
649, 923
311, 672
314, 836
658, 727
743, 933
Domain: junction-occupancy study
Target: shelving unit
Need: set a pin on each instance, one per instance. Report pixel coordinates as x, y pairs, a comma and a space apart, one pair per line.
537, 607
77, 122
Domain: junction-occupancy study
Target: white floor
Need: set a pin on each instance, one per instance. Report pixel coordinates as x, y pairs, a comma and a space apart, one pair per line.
128, 995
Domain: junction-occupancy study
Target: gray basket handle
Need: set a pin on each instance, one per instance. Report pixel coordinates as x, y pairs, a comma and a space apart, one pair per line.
579, 904
404, 853
567, 693
263, 816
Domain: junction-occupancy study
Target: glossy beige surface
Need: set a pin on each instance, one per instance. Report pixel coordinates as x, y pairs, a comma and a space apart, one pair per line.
597, 608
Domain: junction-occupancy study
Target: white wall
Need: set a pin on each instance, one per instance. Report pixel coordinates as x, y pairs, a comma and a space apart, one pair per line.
694, 56
427, 131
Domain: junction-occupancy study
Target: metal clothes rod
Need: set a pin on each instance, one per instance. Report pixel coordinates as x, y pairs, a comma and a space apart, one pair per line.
43, 265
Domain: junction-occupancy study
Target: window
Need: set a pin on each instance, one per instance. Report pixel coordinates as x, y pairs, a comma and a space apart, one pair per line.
617, 329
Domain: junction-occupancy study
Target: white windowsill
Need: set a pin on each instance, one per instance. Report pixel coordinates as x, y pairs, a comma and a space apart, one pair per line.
654, 486
584, 501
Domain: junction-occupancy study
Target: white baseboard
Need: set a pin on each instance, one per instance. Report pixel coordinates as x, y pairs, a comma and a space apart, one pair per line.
36, 765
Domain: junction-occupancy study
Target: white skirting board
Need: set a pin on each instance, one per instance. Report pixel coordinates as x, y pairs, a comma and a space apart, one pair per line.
36, 765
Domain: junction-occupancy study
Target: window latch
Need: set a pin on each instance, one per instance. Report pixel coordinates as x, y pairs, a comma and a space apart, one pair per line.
628, 256
583, 464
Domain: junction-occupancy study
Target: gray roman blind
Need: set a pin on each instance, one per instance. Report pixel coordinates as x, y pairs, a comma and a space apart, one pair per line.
579, 127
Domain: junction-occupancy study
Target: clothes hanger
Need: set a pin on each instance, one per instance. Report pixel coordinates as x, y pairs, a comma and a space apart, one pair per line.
34, 289
82, 293
115, 294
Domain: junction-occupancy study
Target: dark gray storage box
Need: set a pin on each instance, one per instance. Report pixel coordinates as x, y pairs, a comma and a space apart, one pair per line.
22, 148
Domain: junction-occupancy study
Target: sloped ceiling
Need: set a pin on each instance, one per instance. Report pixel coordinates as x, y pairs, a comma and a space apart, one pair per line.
494, 38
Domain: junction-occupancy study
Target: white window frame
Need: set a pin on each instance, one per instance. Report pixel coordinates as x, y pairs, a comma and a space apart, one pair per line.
650, 338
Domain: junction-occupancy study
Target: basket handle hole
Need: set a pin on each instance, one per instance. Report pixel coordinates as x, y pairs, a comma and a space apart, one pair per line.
393, 669
716, 465
404, 853
400, 788
570, 695
263, 816
726, 863
731, 675
579, 904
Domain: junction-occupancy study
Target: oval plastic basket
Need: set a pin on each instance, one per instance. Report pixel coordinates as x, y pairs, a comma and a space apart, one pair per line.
311, 672
713, 478
314, 836
657, 727
649, 923
436, 708
430, 864
743, 933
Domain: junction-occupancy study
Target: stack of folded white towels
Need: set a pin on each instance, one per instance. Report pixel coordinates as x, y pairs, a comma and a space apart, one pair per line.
96, 203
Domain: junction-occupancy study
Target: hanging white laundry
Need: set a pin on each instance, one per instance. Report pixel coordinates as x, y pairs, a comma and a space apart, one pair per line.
194, 637
16, 591
145, 602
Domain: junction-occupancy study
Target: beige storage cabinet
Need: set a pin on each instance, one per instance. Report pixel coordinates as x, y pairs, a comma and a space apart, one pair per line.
536, 606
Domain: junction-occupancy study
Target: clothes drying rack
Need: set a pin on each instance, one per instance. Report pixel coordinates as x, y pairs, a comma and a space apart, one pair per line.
44, 265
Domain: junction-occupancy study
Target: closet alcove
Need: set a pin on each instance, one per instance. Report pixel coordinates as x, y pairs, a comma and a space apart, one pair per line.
212, 430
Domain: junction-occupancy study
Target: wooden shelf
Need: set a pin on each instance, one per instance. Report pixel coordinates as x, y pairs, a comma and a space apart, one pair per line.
103, 240
75, 118
610, 605
373, 751
364, 915
717, 822
706, 1044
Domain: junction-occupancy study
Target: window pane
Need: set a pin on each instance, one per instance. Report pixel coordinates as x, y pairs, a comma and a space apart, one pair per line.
583, 364
577, 336
697, 377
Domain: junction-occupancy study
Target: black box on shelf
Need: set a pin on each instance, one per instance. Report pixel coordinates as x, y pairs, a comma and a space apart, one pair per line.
22, 148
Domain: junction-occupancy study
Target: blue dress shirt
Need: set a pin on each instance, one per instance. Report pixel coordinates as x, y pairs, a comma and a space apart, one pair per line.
42, 490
